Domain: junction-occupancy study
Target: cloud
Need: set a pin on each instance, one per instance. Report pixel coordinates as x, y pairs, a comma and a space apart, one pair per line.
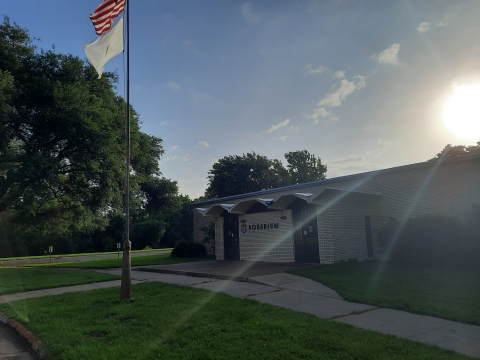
293, 128
186, 158
424, 26
388, 56
203, 144
174, 147
171, 158
283, 138
320, 112
247, 12
339, 74
316, 122
163, 123
173, 85
309, 69
441, 24
278, 126
187, 42
383, 147
339, 92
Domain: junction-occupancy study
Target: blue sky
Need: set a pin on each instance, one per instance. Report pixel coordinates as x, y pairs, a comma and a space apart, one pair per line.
361, 84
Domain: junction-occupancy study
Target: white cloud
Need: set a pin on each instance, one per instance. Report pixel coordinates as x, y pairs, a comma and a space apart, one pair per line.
388, 56
203, 144
339, 92
186, 158
171, 158
248, 14
187, 42
164, 123
283, 138
441, 24
383, 147
424, 26
293, 128
278, 126
316, 122
339, 74
174, 147
320, 112
309, 69
173, 85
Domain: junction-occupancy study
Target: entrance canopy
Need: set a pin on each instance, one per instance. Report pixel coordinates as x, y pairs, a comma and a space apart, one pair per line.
327, 196
243, 206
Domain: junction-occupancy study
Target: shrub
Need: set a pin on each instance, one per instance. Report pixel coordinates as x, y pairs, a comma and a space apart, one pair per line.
188, 249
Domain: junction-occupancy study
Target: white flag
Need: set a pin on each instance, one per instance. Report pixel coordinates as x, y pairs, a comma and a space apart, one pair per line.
106, 47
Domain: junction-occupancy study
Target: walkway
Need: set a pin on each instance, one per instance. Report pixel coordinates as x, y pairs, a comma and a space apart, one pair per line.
293, 292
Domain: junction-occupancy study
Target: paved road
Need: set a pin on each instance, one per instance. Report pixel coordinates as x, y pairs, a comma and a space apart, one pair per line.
60, 258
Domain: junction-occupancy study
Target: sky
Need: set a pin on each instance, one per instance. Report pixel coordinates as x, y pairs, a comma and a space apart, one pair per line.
360, 84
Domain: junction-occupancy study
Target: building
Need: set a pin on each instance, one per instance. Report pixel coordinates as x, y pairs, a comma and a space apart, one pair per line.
336, 219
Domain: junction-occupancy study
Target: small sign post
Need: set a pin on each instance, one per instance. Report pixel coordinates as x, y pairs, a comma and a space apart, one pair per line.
50, 250
119, 245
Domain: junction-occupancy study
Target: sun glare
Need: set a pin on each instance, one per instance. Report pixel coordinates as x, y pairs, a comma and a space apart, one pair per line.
461, 112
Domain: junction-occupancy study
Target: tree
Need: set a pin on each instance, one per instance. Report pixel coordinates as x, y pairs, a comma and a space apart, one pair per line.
304, 167
450, 151
62, 143
236, 174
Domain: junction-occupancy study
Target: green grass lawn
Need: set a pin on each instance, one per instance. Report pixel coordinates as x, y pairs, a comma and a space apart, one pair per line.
160, 259
446, 292
57, 256
174, 322
14, 280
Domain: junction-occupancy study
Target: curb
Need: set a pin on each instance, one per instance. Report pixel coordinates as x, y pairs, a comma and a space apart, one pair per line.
36, 345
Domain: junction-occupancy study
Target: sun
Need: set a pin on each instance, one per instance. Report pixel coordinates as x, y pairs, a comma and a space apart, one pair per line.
461, 112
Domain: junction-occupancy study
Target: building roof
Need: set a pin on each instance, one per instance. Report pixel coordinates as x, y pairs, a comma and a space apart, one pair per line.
261, 193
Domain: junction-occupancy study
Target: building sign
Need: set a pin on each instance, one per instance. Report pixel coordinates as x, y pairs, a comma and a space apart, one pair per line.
269, 226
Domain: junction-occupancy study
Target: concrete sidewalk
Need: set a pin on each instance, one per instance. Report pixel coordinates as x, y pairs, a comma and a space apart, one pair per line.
304, 295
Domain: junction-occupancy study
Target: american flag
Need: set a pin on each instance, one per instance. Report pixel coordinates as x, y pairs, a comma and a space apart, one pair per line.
104, 14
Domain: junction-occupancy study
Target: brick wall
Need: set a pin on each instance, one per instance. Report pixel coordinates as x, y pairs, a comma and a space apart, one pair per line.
271, 244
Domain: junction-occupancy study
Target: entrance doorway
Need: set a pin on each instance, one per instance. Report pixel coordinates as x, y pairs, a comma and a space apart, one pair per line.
231, 244
305, 235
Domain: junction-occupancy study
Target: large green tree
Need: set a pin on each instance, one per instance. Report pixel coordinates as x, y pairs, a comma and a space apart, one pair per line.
236, 174
62, 136
304, 167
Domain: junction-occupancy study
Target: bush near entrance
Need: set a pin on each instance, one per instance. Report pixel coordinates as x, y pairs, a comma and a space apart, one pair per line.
188, 249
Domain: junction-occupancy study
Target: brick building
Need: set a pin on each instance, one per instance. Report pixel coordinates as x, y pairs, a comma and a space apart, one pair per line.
336, 219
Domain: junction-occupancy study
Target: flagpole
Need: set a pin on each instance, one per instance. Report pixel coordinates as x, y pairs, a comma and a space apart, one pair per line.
126, 285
